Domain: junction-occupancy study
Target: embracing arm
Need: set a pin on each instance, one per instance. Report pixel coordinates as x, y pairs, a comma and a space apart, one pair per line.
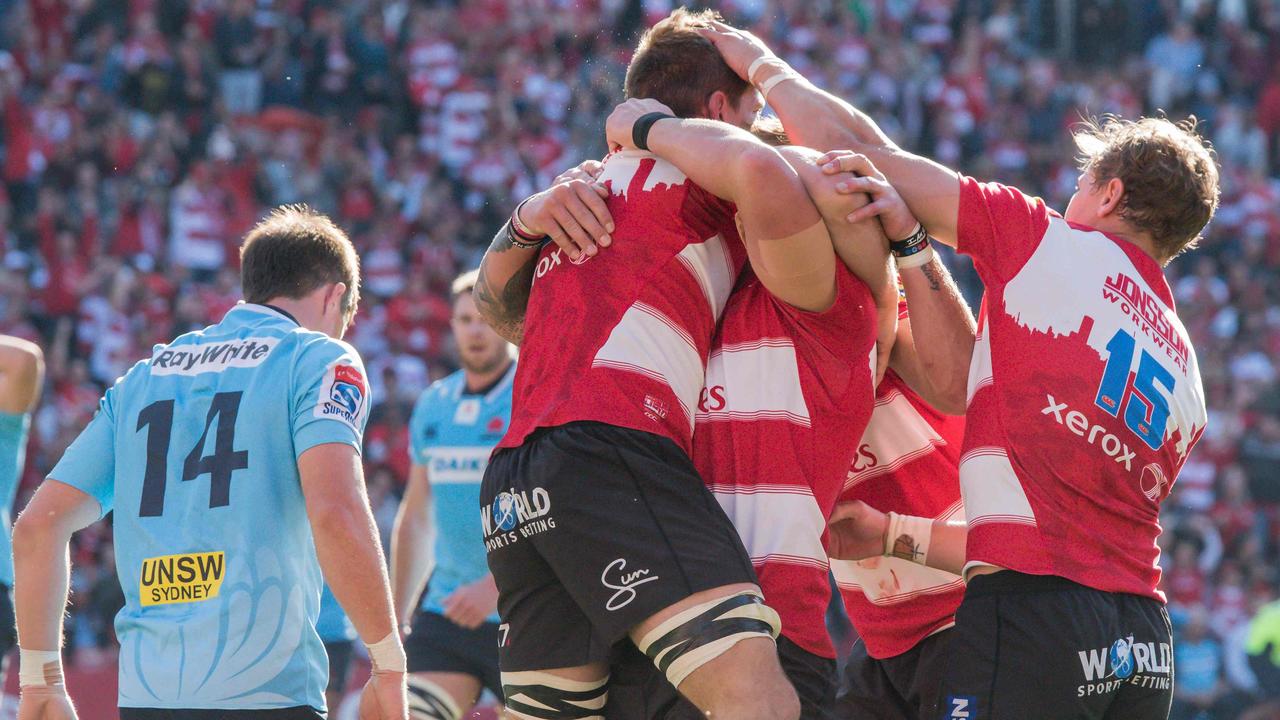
858, 531
789, 248
503, 285
943, 321
818, 119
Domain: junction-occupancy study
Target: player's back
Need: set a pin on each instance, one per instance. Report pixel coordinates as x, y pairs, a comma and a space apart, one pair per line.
1084, 397
785, 390
213, 546
622, 337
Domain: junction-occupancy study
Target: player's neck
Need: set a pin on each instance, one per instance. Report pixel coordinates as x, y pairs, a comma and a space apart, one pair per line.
307, 314
1122, 231
481, 382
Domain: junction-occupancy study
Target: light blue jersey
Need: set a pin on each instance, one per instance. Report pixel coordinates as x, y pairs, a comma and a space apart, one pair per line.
452, 432
13, 453
196, 451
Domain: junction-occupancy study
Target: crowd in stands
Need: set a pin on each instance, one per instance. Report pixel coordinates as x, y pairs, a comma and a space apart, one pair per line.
141, 138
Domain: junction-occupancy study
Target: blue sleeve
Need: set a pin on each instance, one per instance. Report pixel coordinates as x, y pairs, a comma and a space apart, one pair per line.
331, 396
89, 464
417, 429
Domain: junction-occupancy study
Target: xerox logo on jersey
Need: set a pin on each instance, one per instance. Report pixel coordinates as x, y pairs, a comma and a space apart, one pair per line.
1145, 664
515, 515
555, 259
343, 395
1096, 435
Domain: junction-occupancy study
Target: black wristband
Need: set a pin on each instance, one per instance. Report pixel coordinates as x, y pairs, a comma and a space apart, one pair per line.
917, 242
640, 130
517, 240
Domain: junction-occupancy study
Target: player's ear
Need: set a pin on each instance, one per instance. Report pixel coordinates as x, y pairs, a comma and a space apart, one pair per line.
1112, 196
333, 297
717, 105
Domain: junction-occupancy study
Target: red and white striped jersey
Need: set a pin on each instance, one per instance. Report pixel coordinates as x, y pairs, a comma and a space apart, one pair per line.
1084, 397
785, 390
622, 337
908, 462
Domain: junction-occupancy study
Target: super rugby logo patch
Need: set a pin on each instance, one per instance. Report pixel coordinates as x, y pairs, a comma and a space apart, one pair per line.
344, 395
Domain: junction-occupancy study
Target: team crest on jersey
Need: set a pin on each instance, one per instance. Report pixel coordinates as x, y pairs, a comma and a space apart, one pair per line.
344, 395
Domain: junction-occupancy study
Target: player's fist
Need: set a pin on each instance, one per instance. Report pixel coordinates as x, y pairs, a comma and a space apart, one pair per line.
45, 703
617, 128
385, 697
856, 531
739, 48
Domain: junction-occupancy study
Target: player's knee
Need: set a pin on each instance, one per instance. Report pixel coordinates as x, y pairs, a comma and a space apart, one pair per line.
698, 635
534, 695
429, 701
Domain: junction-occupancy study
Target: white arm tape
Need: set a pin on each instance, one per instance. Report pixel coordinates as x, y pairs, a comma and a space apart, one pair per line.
387, 654
774, 81
921, 258
760, 61
917, 532
39, 668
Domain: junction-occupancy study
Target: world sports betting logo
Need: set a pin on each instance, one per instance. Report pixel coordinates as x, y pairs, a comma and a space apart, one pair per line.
515, 515
1144, 664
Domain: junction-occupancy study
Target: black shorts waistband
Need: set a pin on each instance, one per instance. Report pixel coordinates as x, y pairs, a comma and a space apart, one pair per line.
1012, 581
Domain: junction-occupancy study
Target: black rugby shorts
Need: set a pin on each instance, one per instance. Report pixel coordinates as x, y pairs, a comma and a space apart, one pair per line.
591, 529
1031, 646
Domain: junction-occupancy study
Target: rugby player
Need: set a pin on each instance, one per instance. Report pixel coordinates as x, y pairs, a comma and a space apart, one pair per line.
231, 459
600, 527
452, 629
1084, 400
769, 503
21, 379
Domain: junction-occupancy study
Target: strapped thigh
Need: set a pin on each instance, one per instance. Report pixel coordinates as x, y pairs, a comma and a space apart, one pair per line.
538, 695
692, 638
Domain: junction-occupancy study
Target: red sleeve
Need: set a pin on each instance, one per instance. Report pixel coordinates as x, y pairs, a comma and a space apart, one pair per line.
846, 330
999, 227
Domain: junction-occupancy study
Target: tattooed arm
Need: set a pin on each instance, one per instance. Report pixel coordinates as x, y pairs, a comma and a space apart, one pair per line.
943, 322
858, 531
502, 289
573, 214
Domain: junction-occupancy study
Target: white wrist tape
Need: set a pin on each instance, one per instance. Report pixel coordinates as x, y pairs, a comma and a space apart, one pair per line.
908, 537
39, 668
921, 258
761, 61
774, 81
387, 654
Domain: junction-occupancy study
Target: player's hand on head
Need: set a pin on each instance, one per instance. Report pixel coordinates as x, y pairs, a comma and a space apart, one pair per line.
385, 697
573, 214
588, 171
886, 203
856, 531
739, 48
617, 127
45, 703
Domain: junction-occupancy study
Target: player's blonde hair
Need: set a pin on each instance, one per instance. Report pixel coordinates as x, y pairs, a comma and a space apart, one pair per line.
1169, 175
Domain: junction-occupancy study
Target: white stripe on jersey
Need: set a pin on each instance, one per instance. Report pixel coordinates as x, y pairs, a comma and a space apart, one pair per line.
890, 580
783, 526
757, 380
980, 373
711, 266
623, 166
896, 435
990, 489
649, 343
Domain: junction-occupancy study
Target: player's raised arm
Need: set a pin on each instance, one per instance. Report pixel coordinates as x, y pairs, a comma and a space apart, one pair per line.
817, 119
786, 240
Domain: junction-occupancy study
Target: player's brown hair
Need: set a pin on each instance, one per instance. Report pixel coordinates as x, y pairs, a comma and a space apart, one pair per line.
295, 250
1169, 175
679, 68
769, 130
